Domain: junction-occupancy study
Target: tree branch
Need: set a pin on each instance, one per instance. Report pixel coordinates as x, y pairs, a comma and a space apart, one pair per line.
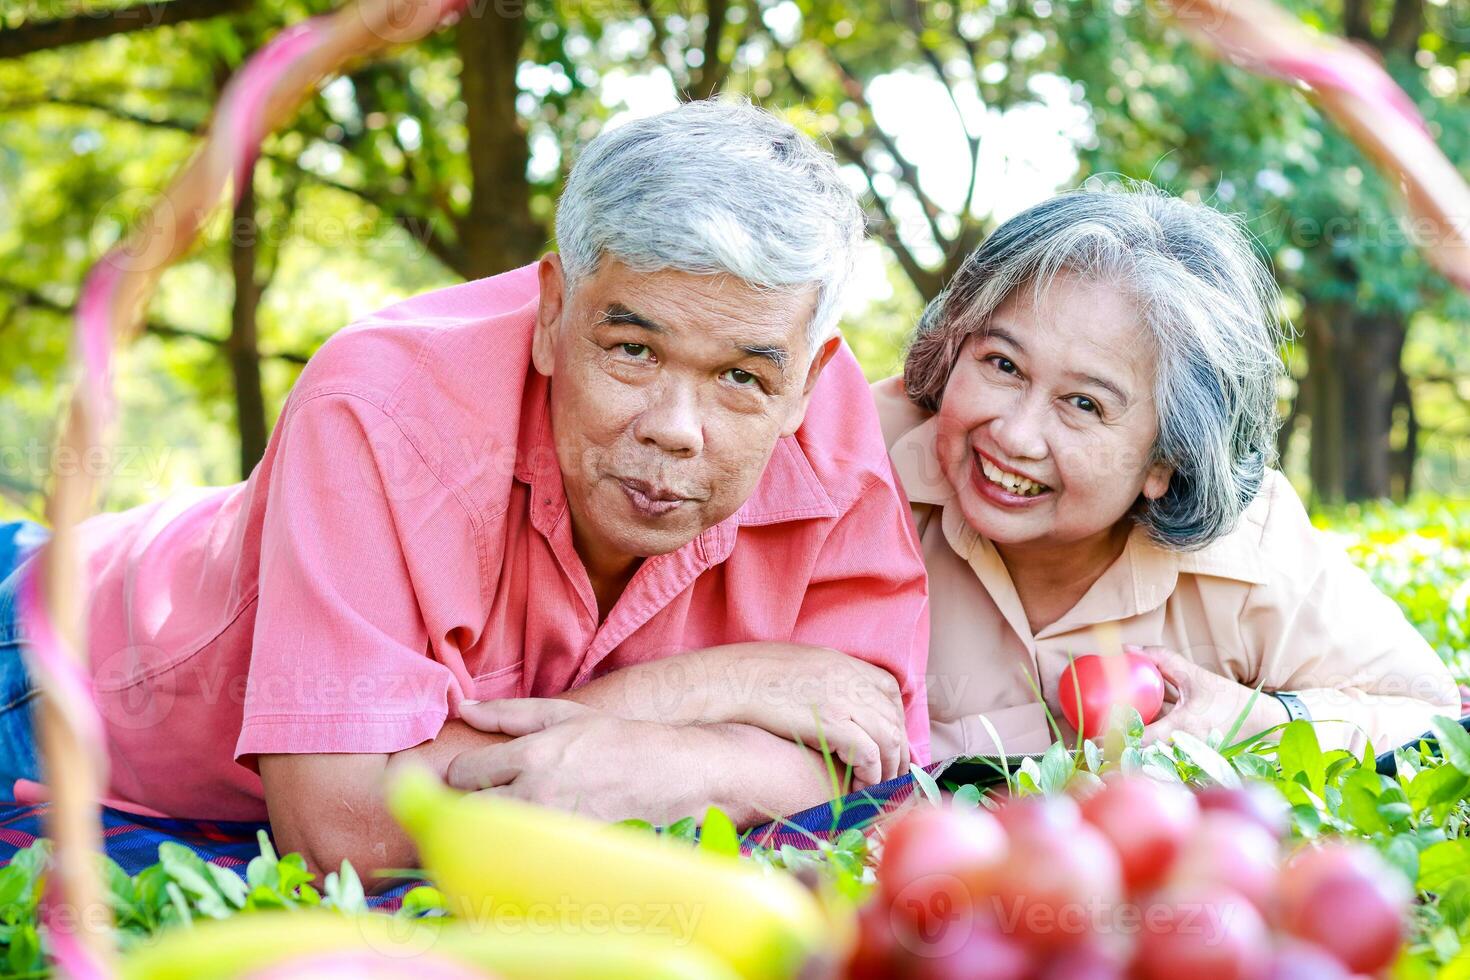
29, 297
417, 227
92, 25
712, 70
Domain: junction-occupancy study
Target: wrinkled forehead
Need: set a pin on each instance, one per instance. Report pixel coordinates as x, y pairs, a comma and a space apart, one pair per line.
692, 306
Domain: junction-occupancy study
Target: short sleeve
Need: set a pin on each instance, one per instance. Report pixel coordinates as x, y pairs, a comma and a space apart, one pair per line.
1330, 636
868, 597
340, 658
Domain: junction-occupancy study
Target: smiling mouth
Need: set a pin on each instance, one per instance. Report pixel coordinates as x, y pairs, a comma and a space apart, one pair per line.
1010, 482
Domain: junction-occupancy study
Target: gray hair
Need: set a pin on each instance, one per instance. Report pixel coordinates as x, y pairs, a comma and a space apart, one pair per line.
1206, 297
714, 188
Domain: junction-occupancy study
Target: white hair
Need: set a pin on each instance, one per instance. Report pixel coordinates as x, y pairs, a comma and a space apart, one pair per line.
714, 188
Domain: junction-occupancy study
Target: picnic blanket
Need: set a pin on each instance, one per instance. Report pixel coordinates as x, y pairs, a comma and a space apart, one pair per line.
132, 840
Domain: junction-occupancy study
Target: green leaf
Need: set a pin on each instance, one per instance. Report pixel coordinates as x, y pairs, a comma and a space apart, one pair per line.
926, 783
420, 900
346, 891
718, 834
229, 885
1093, 756
683, 829
1442, 864
633, 823
1308, 821
1210, 762
1300, 753
1056, 769
1360, 808
189, 872
1402, 852
966, 797
1454, 742
1441, 784
15, 886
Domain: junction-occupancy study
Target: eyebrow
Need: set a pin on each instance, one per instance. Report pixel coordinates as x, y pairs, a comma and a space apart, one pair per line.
1091, 379
620, 314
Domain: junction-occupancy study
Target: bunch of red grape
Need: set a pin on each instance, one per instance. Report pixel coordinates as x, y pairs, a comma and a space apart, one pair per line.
1142, 880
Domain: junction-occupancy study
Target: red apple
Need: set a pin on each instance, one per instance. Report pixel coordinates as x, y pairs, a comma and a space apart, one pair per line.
1347, 900
1146, 821
1138, 682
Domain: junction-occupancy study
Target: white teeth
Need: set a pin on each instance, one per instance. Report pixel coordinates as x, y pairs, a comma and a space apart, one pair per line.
1011, 481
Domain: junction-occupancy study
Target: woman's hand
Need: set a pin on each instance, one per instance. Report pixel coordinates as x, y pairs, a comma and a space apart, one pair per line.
1205, 700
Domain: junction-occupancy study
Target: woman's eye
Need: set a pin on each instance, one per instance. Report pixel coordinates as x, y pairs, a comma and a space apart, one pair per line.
1005, 364
742, 378
634, 350
1086, 404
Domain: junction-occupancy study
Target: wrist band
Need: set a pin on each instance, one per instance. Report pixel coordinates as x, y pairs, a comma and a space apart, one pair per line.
1293, 704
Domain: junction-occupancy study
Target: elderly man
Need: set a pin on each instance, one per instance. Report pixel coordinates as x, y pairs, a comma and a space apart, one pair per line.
615, 531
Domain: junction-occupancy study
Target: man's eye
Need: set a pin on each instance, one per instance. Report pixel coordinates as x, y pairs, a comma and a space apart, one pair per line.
634, 350
743, 378
1005, 364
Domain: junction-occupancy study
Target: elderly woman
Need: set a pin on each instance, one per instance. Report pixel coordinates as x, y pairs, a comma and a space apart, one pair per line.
1085, 429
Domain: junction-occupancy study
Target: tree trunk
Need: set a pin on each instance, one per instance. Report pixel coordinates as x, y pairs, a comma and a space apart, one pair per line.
243, 347
498, 232
1353, 361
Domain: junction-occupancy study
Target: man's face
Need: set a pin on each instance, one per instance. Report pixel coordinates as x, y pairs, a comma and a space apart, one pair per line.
668, 393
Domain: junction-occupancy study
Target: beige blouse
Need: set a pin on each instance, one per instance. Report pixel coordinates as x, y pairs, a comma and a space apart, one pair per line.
1275, 600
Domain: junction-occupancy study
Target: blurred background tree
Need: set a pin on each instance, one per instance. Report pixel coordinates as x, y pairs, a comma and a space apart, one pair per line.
442, 162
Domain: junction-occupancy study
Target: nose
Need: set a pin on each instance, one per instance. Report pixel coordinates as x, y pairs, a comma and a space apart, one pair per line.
1020, 431
671, 420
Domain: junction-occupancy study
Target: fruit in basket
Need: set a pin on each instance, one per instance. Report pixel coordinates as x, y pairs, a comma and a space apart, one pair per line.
498, 857
1096, 684
1348, 901
1146, 821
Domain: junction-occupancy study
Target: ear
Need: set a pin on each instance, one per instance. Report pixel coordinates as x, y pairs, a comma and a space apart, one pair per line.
813, 372
549, 312
1156, 480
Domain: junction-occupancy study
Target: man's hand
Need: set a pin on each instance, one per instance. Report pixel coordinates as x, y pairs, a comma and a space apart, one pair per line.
803, 693
1205, 700
572, 757
811, 694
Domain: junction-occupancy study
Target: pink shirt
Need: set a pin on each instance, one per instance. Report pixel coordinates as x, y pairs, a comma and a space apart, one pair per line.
405, 544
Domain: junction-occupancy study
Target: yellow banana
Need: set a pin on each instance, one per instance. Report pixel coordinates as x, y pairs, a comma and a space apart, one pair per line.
494, 857
304, 943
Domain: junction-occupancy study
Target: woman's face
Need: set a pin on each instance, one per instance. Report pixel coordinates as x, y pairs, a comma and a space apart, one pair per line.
1048, 421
